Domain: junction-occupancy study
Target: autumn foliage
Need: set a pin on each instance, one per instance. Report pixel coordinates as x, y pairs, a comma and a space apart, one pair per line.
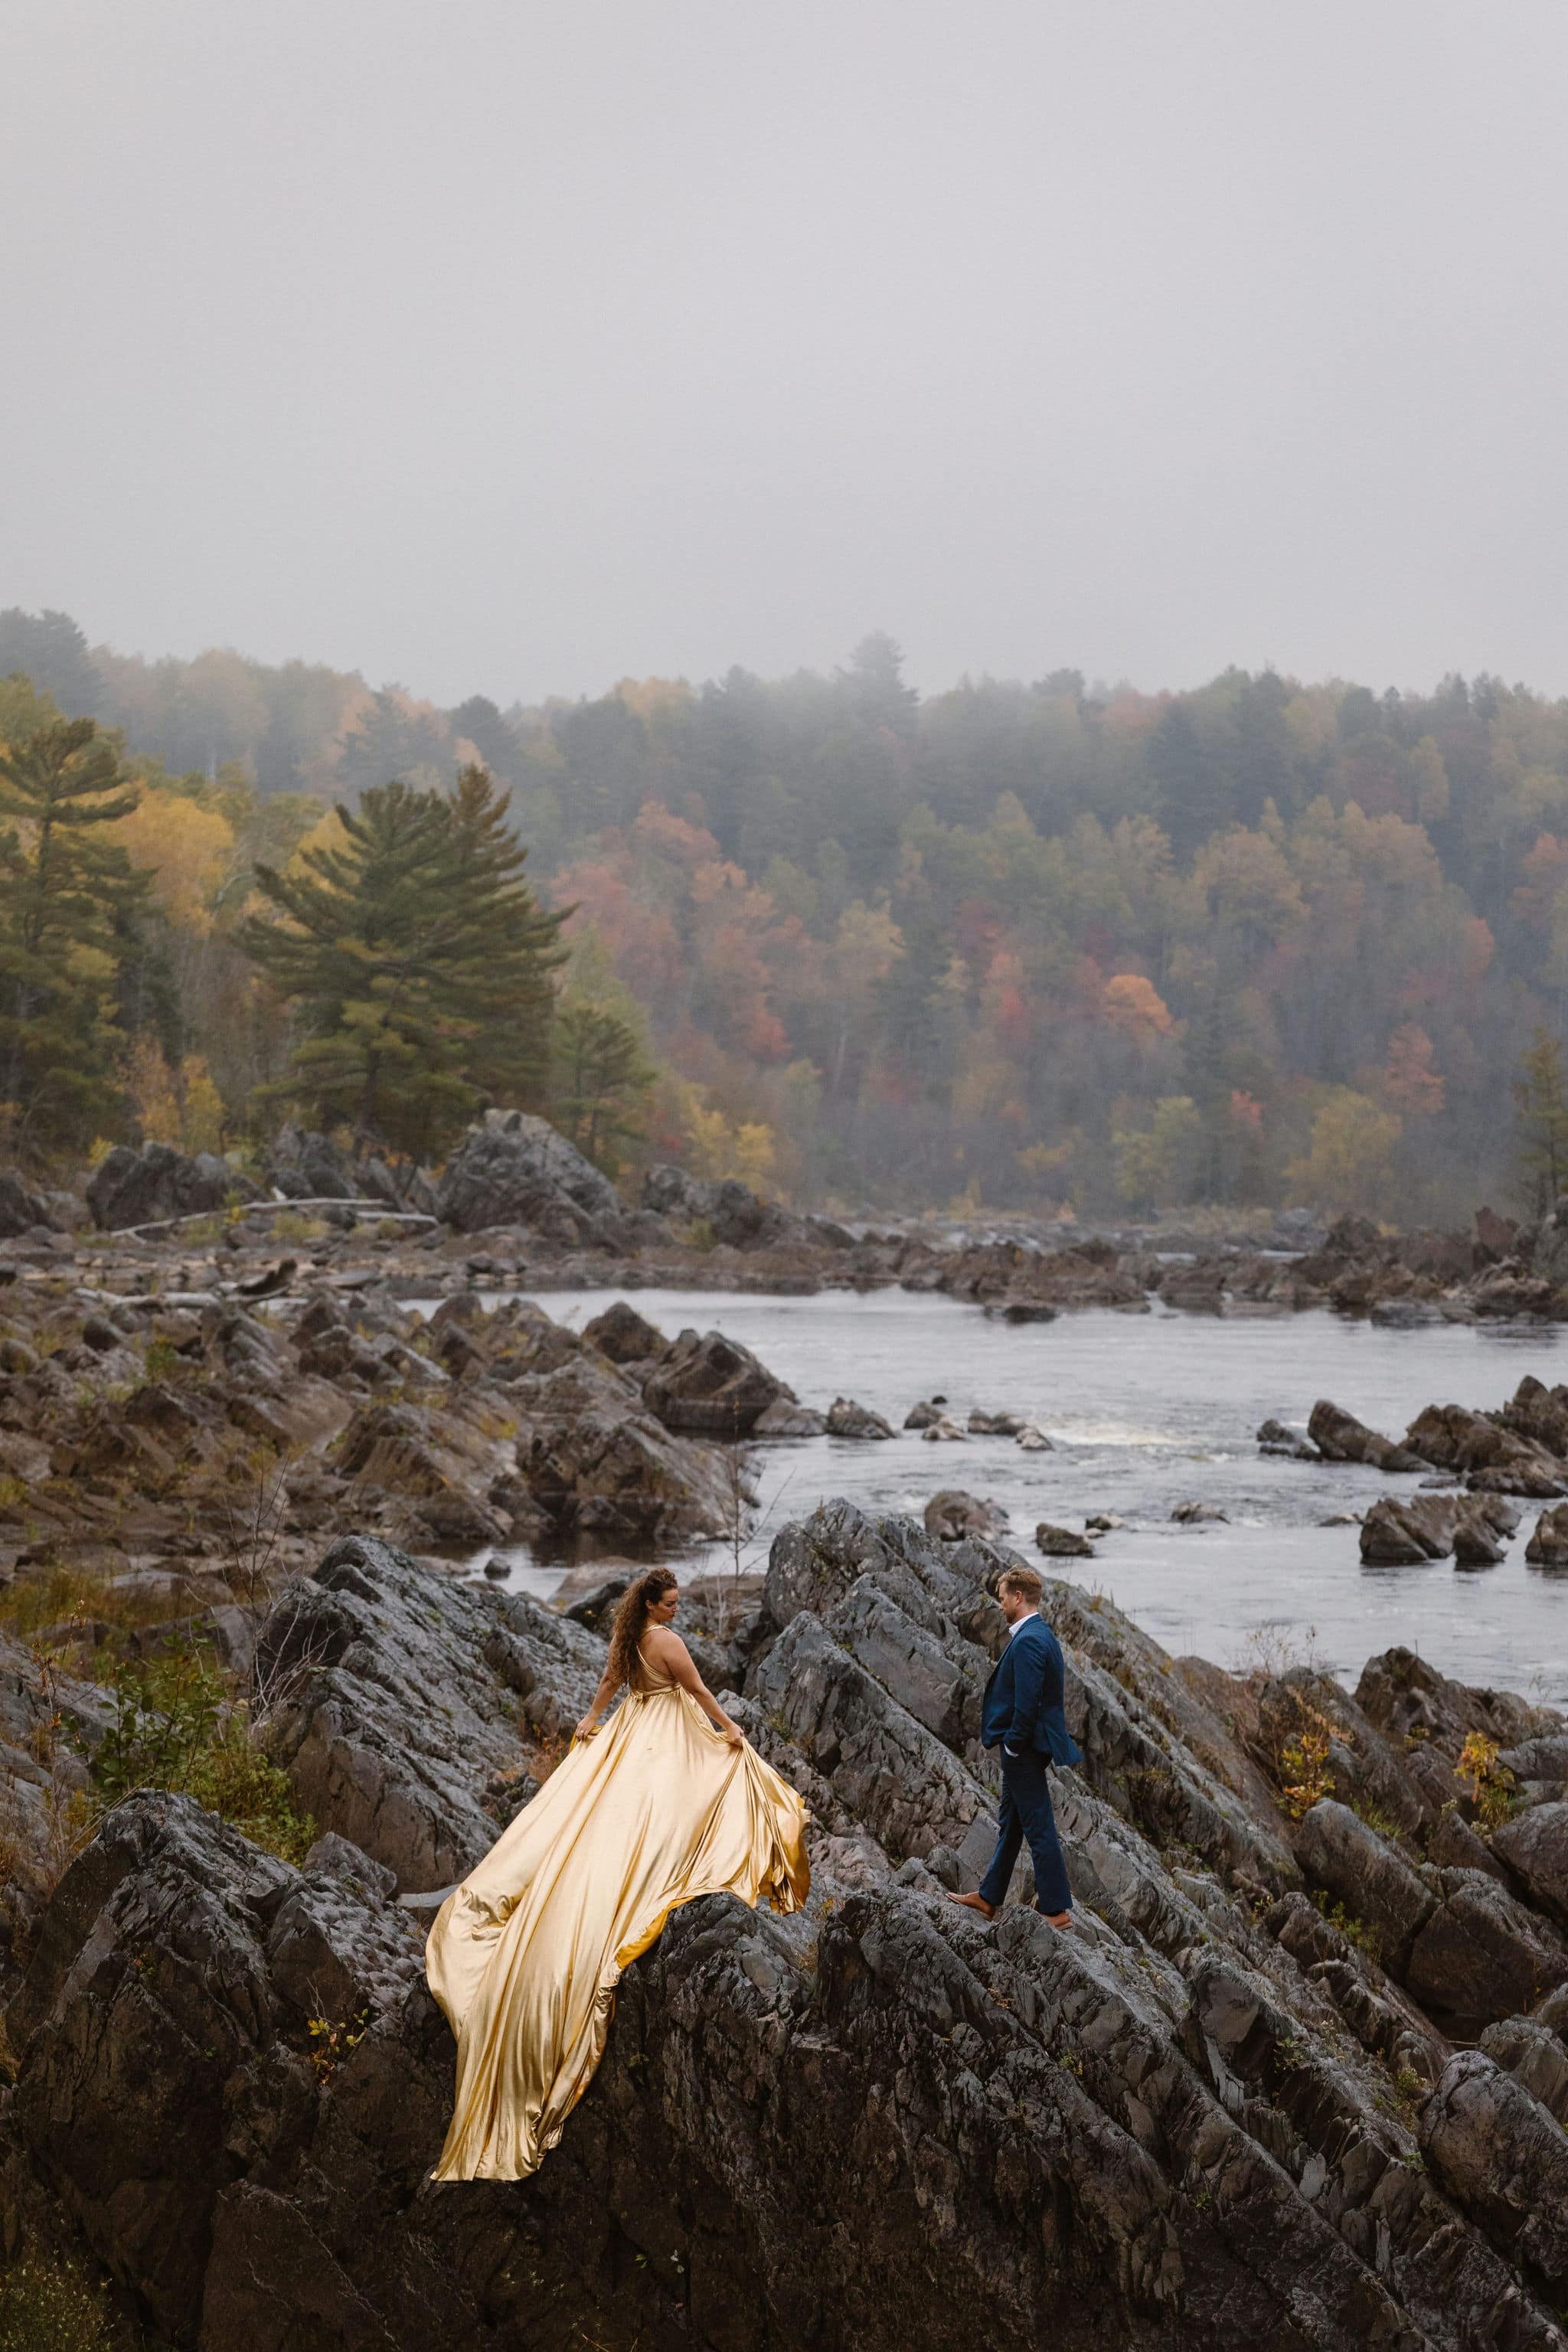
1019, 945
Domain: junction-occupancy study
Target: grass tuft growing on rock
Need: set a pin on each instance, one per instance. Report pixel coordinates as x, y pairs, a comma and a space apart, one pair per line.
51, 2305
28, 1603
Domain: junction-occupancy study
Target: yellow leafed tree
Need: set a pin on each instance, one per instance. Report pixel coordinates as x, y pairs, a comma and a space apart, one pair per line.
186, 848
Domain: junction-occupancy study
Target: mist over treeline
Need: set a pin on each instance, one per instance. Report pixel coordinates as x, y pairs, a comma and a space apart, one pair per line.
1015, 945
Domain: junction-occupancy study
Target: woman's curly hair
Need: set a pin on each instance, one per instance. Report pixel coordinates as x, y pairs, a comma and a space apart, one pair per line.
631, 1621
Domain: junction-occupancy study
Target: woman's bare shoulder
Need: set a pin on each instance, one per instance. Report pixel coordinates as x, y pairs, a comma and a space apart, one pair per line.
662, 1641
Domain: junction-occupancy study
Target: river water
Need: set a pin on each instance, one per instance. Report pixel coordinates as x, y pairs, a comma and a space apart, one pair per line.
1147, 1412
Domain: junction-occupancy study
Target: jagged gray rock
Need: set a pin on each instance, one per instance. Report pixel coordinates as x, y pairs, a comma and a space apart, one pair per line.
387, 1706
513, 1169
1188, 2121
1534, 1846
141, 1188
21, 1210
1339, 1436
710, 1386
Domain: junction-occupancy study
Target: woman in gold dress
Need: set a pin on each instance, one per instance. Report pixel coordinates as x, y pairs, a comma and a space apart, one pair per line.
666, 1802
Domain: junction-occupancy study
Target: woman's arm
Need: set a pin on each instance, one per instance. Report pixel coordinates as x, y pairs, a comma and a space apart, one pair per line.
676, 1660
602, 1697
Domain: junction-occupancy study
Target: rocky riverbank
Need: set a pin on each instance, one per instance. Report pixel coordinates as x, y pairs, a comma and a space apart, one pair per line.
518, 1206
1297, 2077
202, 1441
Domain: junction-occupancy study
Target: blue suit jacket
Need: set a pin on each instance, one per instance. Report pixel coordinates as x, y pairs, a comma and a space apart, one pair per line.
1023, 1704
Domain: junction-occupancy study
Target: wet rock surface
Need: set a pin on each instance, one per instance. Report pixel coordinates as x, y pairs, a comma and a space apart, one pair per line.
1224, 2110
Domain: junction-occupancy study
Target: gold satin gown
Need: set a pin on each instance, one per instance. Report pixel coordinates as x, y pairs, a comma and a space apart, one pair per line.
525, 1957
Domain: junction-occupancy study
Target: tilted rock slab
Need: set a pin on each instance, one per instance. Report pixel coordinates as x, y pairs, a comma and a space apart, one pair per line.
882, 2123
395, 1693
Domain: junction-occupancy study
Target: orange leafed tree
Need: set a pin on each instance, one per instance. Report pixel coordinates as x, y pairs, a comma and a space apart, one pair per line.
1410, 1081
1134, 1006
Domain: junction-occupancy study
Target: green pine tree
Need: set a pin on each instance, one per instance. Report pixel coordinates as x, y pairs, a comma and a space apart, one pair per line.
70, 904
601, 1078
420, 965
1540, 1131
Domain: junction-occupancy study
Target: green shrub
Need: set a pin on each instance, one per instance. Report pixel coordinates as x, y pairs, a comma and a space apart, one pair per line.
175, 1728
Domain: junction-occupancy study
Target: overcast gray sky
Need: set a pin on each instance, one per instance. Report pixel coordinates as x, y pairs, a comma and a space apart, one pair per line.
511, 346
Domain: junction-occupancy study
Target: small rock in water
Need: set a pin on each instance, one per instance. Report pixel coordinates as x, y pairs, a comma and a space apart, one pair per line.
1477, 1545
783, 1418
1548, 1547
1103, 1523
1339, 1436
942, 1432
1273, 1437
497, 1567
1188, 1514
952, 1515
1062, 1543
1033, 1440
848, 1419
995, 1424
1342, 1519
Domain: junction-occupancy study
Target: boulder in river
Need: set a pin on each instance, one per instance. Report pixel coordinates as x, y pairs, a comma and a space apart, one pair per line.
1477, 1543
712, 1386
1196, 1514
943, 1430
1273, 1437
848, 1419
1402, 1532
1339, 1436
951, 1514
784, 1418
1548, 1544
1399, 1533
1062, 1543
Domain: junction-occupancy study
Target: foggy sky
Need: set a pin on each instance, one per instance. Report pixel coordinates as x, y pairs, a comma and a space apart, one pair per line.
512, 346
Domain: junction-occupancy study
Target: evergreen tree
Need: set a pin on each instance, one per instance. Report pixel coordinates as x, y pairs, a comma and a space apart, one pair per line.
420, 965
1540, 1134
481, 723
70, 904
601, 1077
1192, 796
390, 740
50, 650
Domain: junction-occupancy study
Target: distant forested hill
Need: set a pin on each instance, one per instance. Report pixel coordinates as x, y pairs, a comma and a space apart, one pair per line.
1021, 943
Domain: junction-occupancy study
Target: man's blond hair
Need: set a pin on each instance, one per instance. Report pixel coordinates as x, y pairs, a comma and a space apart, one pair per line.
1022, 1580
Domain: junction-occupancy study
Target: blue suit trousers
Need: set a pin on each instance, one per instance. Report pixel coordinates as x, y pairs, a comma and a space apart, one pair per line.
1025, 1813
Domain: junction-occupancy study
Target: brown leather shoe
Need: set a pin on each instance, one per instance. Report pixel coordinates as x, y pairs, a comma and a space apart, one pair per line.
976, 1903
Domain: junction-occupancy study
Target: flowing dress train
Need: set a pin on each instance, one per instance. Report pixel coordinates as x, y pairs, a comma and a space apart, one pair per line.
650, 1811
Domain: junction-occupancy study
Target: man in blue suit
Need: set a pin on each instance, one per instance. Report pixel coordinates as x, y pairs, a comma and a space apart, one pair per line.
1023, 1716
